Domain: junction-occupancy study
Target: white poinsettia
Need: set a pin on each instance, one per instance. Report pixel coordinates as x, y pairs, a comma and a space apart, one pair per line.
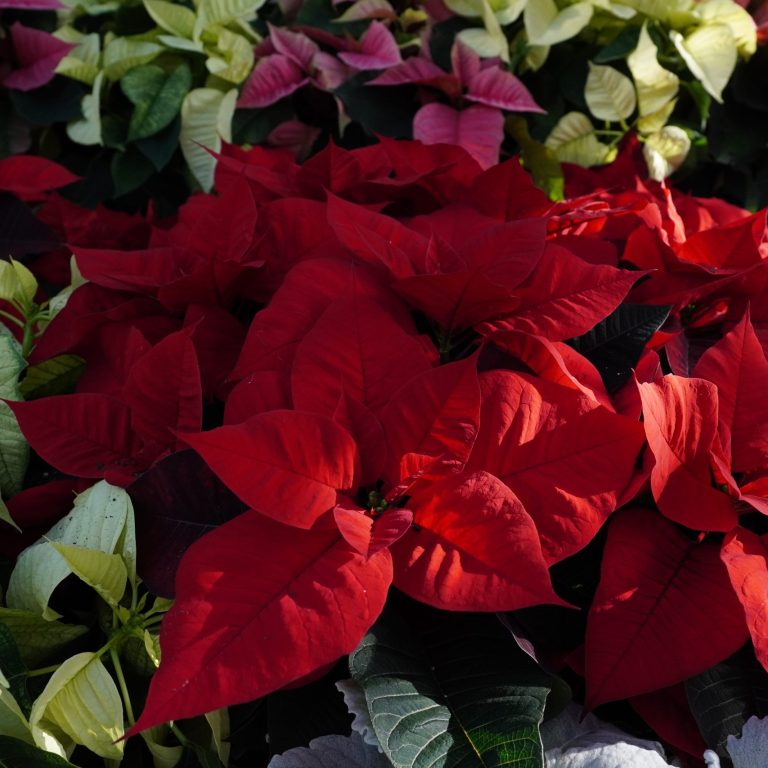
665, 151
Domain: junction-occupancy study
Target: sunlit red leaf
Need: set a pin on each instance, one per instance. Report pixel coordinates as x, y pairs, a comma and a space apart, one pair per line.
284, 464
369, 535
664, 610
259, 605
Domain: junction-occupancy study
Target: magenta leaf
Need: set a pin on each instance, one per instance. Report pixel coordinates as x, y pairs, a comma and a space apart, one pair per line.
38, 54
296, 46
273, 78
495, 87
377, 50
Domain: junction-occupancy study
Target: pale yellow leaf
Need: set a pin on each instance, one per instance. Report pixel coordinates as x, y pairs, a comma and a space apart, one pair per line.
665, 151
546, 24
123, 54
172, 17
103, 572
609, 94
12, 720
218, 720
233, 60
162, 756
82, 701
656, 86
710, 54
87, 131
37, 639
657, 120
741, 24
573, 140
481, 42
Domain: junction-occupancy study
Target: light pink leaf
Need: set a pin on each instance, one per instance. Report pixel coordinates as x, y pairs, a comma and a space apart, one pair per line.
495, 87
479, 130
465, 63
377, 50
38, 54
297, 47
273, 78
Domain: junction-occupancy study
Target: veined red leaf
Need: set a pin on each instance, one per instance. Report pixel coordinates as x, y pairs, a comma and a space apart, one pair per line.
140, 271
273, 78
367, 431
286, 465
369, 535
352, 349
473, 547
261, 391
565, 296
566, 458
506, 192
81, 435
259, 605
30, 177
478, 129
745, 555
735, 245
164, 392
38, 54
495, 87
664, 610
737, 365
680, 419
377, 49
436, 413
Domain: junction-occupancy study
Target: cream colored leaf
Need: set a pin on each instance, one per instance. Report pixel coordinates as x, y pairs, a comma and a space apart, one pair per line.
234, 61
573, 140
492, 26
220, 12
82, 701
481, 42
609, 94
123, 54
152, 647
37, 639
171, 17
101, 519
741, 24
162, 756
656, 86
181, 43
82, 62
88, 130
710, 54
545, 24
665, 151
657, 120
12, 720
536, 56
103, 572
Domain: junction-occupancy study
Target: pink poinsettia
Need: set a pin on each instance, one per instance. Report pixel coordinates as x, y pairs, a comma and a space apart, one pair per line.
38, 54
478, 127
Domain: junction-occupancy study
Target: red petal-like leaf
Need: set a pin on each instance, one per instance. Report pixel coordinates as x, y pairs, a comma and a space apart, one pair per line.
737, 365
479, 130
566, 458
368, 535
164, 392
378, 49
38, 54
680, 419
745, 555
495, 87
664, 610
434, 414
285, 464
473, 547
368, 433
29, 177
272, 78
257, 393
507, 192
80, 435
259, 605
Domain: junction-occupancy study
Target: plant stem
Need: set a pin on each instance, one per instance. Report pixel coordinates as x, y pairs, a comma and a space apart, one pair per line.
43, 670
181, 738
123, 687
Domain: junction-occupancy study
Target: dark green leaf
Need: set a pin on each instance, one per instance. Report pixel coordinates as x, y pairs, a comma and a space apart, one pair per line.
723, 698
157, 96
615, 344
701, 99
57, 102
621, 45
441, 40
388, 111
160, 148
14, 670
320, 14
56, 376
17, 754
130, 169
452, 690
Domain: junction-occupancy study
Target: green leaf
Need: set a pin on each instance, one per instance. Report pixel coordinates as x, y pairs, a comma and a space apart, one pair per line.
103, 572
55, 376
252, 126
163, 757
123, 54
37, 639
14, 449
130, 169
724, 697
615, 344
172, 17
157, 96
451, 690
80, 703
232, 60
16, 754
14, 669
387, 111
621, 45
13, 721
160, 148
102, 520
609, 94
206, 119
539, 159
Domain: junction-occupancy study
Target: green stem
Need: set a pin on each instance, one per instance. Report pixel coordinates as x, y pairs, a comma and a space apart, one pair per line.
28, 340
43, 671
123, 687
182, 739
12, 318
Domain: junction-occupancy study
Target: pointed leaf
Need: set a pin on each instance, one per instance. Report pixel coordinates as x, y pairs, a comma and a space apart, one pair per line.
573, 140
656, 86
276, 616
172, 17
37, 639
273, 78
82, 701
14, 449
473, 547
664, 609
338, 751
55, 376
496, 87
38, 54
284, 464
680, 419
546, 25
378, 49
609, 94
710, 54
16, 753
368, 535
451, 690
105, 573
